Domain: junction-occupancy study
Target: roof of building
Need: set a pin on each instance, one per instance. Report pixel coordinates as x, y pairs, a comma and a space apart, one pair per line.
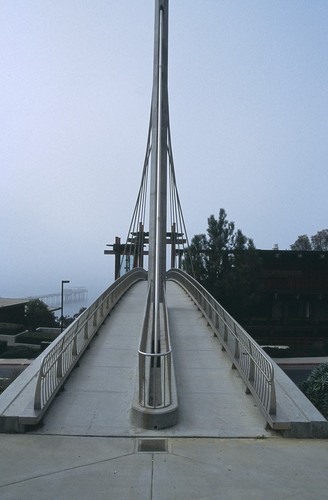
12, 302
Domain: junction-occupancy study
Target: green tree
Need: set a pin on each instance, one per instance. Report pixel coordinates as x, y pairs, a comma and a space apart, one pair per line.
37, 314
225, 262
315, 388
318, 241
67, 320
195, 263
302, 243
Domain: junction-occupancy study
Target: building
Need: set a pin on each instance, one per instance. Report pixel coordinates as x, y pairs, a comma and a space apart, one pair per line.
293, 300
12, 310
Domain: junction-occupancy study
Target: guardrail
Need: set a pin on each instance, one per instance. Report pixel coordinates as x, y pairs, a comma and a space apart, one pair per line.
62, 355
155, 368
252, 363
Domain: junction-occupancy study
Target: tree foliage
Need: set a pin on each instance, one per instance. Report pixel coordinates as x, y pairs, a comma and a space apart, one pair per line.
318, 241
315, 388
224, 261
302, 243
67, 320
37, 314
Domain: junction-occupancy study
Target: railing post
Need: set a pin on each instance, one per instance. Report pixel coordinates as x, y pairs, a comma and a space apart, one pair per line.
251, 373
273, 399
95, 319
237, 346
74, 347
86, 330
225, 335
141, 378
59, 371
37, 396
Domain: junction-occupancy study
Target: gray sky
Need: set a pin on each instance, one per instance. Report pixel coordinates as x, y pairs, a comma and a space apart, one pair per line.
248, 89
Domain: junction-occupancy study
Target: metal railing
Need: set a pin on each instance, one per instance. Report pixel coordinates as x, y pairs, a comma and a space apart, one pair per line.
252, 363
155, 365
62, 355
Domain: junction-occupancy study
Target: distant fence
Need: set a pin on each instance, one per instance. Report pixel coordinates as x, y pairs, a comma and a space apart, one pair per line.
253, 364
70, 295
62, 355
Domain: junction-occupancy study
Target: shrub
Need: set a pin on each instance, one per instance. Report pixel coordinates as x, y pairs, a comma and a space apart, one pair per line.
11, 328
38, 337
315, 388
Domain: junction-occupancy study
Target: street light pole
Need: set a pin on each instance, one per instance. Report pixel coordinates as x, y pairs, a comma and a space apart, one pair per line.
62, 305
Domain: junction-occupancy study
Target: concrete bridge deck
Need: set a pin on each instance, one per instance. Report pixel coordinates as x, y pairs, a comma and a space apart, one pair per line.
98, 395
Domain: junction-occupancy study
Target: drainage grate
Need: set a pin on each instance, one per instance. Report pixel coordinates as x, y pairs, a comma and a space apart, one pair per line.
152, 445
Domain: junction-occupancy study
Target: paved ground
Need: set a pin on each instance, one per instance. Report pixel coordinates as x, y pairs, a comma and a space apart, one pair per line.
88, 448
36, 467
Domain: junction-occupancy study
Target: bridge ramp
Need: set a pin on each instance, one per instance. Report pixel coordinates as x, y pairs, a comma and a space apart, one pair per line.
98, 396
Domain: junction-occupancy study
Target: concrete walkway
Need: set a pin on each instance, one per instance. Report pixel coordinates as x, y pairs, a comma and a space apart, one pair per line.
35, 467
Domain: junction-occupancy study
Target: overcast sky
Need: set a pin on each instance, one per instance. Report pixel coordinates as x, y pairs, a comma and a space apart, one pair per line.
248, 90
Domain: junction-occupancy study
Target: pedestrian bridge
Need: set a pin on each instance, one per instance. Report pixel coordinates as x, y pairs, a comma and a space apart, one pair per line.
211, 379
155, 353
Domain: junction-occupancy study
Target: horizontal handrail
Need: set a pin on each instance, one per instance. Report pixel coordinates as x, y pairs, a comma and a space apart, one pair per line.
63, 353
154, 354
252, 363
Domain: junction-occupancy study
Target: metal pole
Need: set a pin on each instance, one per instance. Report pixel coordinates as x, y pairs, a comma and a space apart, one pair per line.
158, 279
158, 190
